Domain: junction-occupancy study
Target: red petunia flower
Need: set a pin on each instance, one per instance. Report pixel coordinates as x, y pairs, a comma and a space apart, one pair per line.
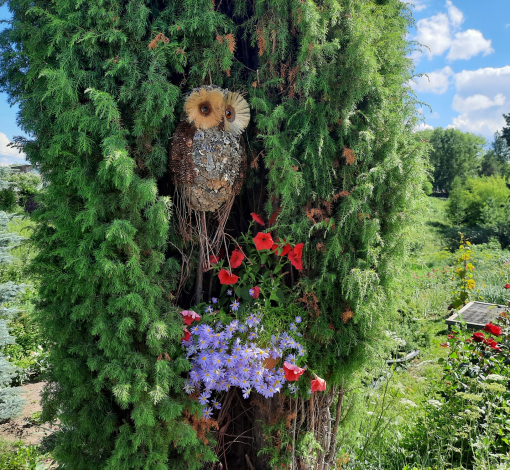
284, 249
318, 385
189, 316
292, 372
263, 241
507, 286
256, 292
213, 259
187, 335
296, 256
478, 337
257, 218
495, 330
227, 277
236, 259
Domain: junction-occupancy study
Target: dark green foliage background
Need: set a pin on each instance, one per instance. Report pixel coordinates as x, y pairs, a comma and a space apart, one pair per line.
101, 106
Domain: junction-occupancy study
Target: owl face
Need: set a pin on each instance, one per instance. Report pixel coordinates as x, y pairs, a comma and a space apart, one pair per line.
207, 106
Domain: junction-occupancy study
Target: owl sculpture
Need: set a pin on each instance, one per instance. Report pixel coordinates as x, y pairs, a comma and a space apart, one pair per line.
208, 157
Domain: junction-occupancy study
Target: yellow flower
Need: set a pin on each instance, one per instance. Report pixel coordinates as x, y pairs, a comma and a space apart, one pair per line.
470, 284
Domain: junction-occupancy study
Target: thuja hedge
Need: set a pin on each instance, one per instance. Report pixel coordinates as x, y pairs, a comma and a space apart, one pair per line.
100, 87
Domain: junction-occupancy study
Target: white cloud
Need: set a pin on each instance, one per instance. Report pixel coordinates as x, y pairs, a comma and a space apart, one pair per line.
476, 102
423, 127
434, 82
441, 33
418, 5
469, 43
481, 100
456, 16
9, 155
434, 32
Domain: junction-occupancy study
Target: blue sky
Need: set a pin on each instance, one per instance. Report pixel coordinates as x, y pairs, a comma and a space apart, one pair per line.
467, 63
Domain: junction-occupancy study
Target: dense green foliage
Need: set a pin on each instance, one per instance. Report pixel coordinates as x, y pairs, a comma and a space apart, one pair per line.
453, 153
332, 118
468, 198
496, 161
22, 188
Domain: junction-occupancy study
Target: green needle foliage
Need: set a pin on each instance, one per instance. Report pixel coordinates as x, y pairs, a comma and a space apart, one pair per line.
100, 87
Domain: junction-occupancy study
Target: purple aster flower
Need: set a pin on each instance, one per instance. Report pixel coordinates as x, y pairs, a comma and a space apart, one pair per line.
242, 328
217, 404
253, 335
291, 358
293, 327
188, 388
209, 309
235, 305
297, 319
252, 291
207, 412
293, 388
214, 300
203, 398
246, 392
229, 292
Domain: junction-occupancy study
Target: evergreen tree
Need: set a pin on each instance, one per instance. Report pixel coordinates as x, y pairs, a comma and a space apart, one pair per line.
11, 400
505, 132
100, 87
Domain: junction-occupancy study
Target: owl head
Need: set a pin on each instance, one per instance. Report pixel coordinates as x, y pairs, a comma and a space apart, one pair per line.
207, 106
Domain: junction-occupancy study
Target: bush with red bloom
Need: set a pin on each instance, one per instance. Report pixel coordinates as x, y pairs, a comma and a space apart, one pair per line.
296, 256
478, 337
292, 372
257, 218
318, 385
492, 343
189, 316
255, 292
227, 278
236, 259
493, 329
507, 286
263, 241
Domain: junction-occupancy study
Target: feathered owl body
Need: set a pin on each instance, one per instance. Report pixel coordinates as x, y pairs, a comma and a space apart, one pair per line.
208, 157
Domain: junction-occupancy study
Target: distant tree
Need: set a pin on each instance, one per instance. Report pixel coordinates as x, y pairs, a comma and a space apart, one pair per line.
11, 401
496, 162
453, 153
505, 132
468, 198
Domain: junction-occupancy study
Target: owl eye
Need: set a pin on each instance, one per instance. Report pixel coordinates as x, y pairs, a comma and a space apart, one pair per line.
230, 113
205, 109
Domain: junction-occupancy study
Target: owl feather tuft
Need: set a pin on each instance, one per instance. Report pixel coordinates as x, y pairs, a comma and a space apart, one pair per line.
204, 108
237, 113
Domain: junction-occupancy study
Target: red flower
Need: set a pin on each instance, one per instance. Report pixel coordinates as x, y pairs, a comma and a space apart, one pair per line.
296, 256
284, 249
256, 292
318, 385
292, 372
507, 286
227, 277
263, 241
187, 335
236, 259
495, 330
257, 218
189, 316
213, 259
451, 336
478, 337
492, 343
